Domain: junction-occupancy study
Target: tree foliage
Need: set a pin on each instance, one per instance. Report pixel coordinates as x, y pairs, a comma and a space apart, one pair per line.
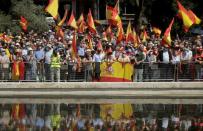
32, 12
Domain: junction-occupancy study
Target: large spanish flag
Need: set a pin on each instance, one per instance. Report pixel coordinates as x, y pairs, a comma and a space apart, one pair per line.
167, 35
72, 23
116, 72
90, 23
52, 8
185, 16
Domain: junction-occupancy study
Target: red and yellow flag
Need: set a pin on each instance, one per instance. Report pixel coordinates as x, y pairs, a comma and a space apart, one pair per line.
74, 45
82, 27
81, 19
129, 33
144, 36
59, 32
167, 35
120, 33
195, 19
185, 16
23, 23
156, 30
52, 8
72, 23
90, 23
112, 15
135, 39
64, 18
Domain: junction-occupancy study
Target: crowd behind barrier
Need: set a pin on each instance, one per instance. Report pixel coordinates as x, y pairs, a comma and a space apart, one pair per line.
63, 117
71, 72
47, 57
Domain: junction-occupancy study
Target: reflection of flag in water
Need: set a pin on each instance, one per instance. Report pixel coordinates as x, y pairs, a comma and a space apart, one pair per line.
119, 73
18, 111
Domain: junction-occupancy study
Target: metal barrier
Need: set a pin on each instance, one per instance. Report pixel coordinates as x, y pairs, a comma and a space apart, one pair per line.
71, 72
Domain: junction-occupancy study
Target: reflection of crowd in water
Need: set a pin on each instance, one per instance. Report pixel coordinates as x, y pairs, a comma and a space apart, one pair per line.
71, 118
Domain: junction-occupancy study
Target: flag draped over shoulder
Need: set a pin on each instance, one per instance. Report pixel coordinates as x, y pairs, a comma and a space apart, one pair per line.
185, 16
52, 8
23, 23
167, 35
90, 22
72, 22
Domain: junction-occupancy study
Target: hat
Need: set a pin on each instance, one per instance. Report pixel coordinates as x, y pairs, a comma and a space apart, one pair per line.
49, 45
17, 44
30, 49
88, 50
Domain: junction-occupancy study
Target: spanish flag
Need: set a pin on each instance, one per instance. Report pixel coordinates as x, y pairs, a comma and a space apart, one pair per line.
120, 33
90, 22
185, 16
116, 7
18, 111
135, 40
167, 35
23, 23
156, 30
112, 15
52, 8
72, 23
195, 19
74, 45
82, 27
129, 33
116, 72
81, 19
144, 36
64, 18
59, 32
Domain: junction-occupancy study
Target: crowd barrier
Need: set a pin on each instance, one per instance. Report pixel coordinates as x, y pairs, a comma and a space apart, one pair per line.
73, 72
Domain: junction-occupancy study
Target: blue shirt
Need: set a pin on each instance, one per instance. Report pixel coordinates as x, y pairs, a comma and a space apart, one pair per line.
81, 51
39, 55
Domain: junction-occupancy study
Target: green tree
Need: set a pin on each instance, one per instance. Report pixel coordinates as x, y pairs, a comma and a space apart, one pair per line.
33, 13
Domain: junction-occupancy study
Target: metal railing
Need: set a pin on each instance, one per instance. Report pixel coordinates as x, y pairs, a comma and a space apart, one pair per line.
72, 72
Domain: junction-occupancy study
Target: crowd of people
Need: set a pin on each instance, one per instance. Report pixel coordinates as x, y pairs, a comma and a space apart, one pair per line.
63, 117
47, 57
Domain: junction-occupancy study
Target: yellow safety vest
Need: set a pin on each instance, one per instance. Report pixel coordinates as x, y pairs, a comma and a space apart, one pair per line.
55, 62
